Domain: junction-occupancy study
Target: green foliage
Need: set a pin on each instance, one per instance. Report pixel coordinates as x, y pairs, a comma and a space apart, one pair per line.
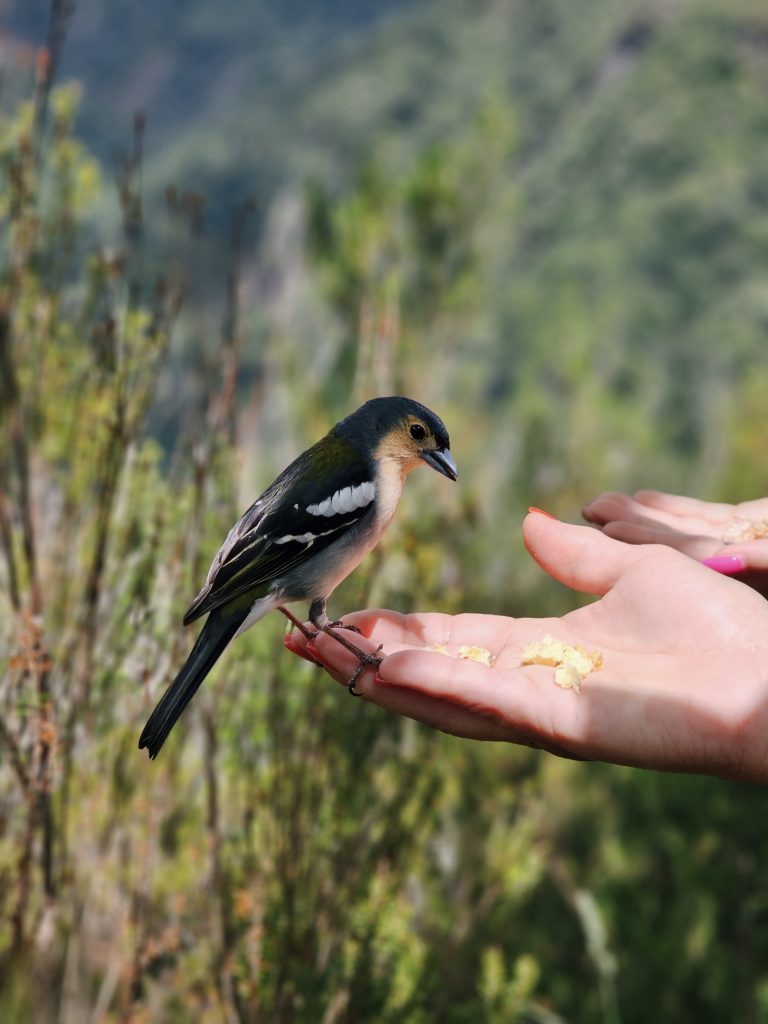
556, 249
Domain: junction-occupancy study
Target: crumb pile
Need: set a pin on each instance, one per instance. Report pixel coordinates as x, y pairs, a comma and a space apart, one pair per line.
572, 664
741, 530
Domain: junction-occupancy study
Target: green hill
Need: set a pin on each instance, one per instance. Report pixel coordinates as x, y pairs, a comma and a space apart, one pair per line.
605, 164
603, 188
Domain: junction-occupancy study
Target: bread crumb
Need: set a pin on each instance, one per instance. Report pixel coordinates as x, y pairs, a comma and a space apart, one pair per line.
740, 530
572, 664
568, 677
439, 649
466, 652
479, 654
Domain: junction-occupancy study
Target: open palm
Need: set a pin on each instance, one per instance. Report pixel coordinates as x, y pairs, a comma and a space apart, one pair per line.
684, 683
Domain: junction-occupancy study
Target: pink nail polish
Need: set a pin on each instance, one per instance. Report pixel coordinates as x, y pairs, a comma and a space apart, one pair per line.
727, 565
318, 658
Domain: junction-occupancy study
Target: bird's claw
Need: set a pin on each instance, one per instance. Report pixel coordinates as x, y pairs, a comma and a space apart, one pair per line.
366, 661
338, 624
352, 680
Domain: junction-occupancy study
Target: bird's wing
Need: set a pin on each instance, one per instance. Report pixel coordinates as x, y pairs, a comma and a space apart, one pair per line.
289, 523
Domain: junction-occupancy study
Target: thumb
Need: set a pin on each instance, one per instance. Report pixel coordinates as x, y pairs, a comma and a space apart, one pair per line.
578, 556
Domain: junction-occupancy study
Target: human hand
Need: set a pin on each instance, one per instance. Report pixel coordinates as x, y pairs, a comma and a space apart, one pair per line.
714, 533
683, 687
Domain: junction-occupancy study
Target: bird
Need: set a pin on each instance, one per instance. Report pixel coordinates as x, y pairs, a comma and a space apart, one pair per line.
305, 534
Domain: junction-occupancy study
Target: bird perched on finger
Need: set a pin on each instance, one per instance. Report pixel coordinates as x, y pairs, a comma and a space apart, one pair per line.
305, 534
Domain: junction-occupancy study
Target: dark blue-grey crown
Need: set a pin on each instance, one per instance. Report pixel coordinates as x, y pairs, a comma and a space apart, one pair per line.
377, 417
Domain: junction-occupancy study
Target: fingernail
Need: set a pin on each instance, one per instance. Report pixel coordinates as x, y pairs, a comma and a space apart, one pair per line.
290, 645
728, 565
541, 512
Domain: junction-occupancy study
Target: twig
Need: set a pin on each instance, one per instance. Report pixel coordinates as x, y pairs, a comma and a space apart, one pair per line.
17, 760
20, 456
7, 402
41, 813
6, 538
24, 877
48, 66
219, 881
223, 409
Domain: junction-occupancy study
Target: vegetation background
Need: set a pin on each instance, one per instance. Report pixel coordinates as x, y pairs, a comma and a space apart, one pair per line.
222, 226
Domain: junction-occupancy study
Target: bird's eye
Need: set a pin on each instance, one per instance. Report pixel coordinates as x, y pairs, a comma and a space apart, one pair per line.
418, 433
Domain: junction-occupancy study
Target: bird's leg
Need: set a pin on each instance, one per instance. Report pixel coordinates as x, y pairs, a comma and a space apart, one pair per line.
319, 618
309, 635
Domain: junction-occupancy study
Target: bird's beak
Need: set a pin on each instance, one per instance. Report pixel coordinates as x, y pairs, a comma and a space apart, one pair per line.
441, 460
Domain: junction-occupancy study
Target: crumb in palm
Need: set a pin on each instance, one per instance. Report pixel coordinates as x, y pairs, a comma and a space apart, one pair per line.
739, 531
572, 664
467, 652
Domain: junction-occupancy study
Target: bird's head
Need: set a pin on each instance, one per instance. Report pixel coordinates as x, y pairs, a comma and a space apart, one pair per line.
405, 432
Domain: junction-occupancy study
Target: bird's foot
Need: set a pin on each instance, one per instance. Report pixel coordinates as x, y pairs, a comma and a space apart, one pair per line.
371, 661
338, 624
365, 659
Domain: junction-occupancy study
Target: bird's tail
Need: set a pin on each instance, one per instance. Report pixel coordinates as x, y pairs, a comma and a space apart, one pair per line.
214, 637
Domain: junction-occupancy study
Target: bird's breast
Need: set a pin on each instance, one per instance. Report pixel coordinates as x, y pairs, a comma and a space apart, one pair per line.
389, 487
